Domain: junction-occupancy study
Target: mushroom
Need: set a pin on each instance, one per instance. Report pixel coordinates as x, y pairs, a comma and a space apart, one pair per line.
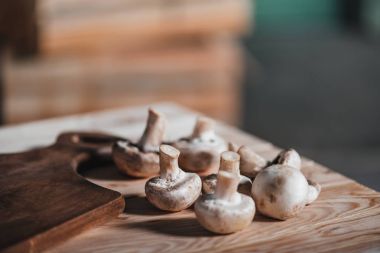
233, 147
281, 191
250, 162
210, 181
200, 152
209, 184
141, 159
288, 157
226, 211
174, 190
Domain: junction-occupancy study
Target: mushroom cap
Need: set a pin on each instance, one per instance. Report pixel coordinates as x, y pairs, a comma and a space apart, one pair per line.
250, 162
133, 162
201, 151
209, 184
314, 191
245, 185
224, 217
280, 191
288, 157
199, 155
176, 194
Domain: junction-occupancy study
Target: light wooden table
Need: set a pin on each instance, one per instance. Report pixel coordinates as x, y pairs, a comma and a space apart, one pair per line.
346, 216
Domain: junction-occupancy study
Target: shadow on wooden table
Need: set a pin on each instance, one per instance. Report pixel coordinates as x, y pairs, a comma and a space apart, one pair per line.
261, 218
139, 205
189, 227
102, 170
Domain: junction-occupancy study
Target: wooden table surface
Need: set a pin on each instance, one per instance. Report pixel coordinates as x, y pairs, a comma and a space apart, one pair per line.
346, 216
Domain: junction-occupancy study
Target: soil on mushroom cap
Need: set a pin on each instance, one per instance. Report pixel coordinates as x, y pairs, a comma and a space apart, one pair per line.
272, 198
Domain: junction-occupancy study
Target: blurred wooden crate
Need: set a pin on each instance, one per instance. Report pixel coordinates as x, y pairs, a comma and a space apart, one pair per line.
204, 75
99, 54
96, 26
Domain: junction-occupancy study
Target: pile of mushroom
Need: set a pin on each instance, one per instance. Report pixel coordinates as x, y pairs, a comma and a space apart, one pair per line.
201, 151
225, 211
174, 190
141, 159
227, 204
281, 191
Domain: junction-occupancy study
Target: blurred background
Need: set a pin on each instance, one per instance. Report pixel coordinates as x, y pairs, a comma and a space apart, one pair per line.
299, 73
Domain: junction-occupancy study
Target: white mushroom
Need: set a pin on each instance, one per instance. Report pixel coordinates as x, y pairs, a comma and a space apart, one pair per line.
233, 147
288, 157
174, 190
141, 159
250, 162
226, 211
281, 191
209, 182
200, 152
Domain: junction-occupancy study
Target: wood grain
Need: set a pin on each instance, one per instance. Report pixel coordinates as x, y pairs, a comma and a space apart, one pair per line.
43, 200
346, 213
80, 30
187, 74
346, 216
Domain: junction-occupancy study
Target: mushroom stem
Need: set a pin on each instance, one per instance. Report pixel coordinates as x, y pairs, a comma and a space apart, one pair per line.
233, 147
250, 162
168, 162
204, 129
313, 193
153, 133
226, 186
229, 161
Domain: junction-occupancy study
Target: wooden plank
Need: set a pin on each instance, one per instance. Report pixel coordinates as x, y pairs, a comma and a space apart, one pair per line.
346, 216
53, 9
187, 74
41, 192
2, 111
18, 26
77, 33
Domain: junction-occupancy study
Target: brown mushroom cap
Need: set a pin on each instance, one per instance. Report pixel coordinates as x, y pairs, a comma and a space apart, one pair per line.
200, 152
131, 161
226, 211
282, 191
141, 159
174, 190
209, 184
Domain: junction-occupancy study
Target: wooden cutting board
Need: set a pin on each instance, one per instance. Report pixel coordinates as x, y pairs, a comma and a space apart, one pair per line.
43, 200
346, 216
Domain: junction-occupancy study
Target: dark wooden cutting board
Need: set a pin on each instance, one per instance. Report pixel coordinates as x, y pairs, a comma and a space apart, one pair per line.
43, 200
